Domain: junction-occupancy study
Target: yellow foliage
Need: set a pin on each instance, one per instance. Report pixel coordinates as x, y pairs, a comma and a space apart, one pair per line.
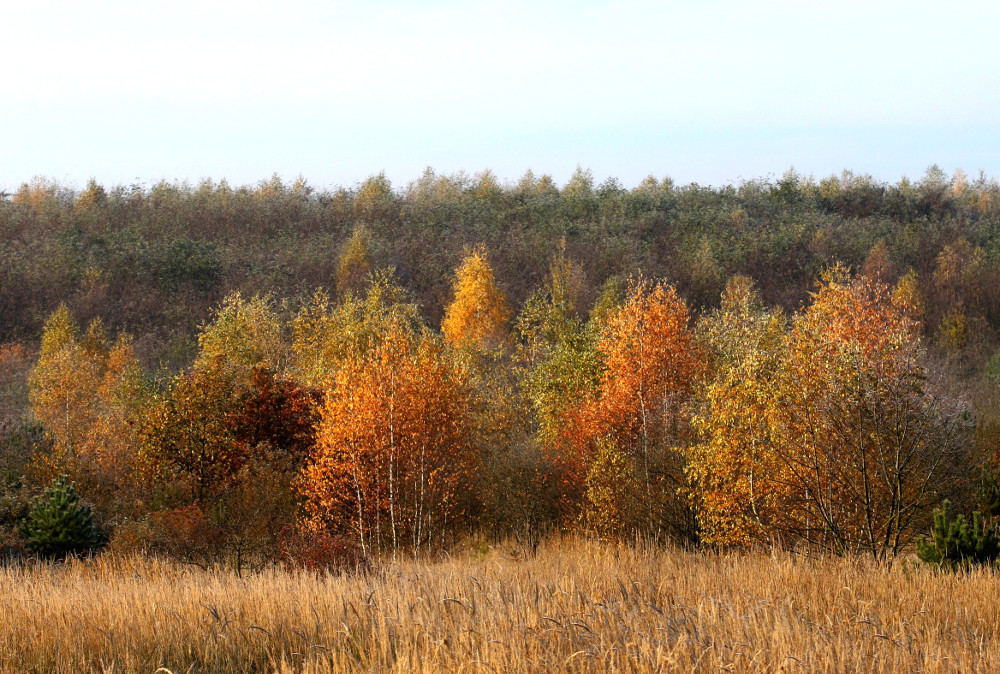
613, 491
324, 335
735, 476
478, 315
60, 330
825, 432
245, 333
89, 395
354, 265
906, 295
953, 332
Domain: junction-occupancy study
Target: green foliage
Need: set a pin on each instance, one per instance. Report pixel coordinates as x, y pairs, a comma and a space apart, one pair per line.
58, 525
992, 372
988, 490
245, 333
958, 542
155, 261
187, 263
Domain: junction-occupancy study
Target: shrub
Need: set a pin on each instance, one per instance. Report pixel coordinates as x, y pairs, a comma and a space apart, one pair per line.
185, 533
319, 551
57, 524
130, 537
185, 262
955, 541
988, 489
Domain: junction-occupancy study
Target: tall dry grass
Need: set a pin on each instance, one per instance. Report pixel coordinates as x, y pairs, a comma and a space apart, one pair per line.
575, 607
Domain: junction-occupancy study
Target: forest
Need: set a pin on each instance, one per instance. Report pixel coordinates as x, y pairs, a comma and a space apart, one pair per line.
329, 378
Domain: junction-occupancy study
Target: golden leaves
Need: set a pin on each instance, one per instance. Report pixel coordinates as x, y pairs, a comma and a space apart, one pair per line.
478, 315
825, 432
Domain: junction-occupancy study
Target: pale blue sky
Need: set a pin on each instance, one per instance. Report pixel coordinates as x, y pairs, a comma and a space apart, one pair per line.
707, 92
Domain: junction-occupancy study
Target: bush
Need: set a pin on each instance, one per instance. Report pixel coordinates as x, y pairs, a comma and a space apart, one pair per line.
186, 534
988, 489
57, 525
14, 508
957, 542
185, 262
319, 551
18, 443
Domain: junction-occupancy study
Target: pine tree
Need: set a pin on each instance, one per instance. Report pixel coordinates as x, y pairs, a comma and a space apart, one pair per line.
955, 541
57, 525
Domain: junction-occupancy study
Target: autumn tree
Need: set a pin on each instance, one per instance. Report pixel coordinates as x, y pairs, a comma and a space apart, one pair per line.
190, 430
326, 333
637, 417
227, 445
274, 426
393, 462
866, 445
478, 314
516, 480
277, 413
737, 480
907, 297
878, 266
557, 349
828, 433
89, 202
90, 395
120, 479
63, 382
958, 276
245, 333
234, 401
355, 263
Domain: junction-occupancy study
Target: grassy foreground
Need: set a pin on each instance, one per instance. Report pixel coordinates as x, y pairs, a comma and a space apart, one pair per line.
575, 607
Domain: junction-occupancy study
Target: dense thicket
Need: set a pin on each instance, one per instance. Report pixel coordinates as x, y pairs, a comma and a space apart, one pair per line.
505, 358
153, 260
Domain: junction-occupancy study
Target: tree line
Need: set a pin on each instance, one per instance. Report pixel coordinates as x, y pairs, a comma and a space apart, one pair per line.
627, 384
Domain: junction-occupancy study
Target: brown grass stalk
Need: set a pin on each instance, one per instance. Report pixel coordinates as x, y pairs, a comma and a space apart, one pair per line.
577, 606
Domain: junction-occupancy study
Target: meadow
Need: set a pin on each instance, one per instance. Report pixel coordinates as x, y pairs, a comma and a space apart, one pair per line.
194, 379
573, 606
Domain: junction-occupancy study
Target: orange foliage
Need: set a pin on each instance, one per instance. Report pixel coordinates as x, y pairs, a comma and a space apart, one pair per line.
859, 438
650, 365
112, 441
832, 436
393, 461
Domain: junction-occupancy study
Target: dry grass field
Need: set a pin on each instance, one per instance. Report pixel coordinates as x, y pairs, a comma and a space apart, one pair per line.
575, 607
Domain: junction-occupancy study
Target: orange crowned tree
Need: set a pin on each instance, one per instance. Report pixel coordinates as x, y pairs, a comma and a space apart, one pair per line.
393, 461
620, 443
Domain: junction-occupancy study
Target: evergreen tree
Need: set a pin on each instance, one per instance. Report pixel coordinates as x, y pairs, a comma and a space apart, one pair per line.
955, 541
57, 525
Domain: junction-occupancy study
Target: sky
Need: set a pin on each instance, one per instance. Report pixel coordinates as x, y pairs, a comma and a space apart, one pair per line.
708, 91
